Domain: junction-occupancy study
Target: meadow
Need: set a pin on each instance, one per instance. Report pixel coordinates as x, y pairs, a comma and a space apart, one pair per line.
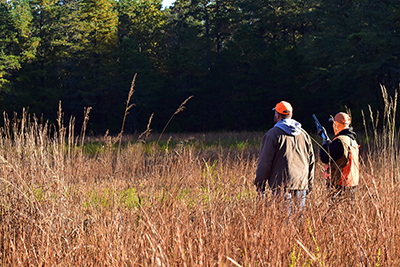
181, 200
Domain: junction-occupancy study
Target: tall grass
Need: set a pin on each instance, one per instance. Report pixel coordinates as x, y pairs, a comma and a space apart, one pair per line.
187, 200
383, 144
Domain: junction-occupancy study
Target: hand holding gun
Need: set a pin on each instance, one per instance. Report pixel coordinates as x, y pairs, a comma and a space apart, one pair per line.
321, 130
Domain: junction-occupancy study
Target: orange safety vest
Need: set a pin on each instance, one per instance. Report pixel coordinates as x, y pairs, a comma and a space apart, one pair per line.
350, 172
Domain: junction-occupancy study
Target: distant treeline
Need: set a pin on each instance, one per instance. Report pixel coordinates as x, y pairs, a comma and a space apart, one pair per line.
236, 57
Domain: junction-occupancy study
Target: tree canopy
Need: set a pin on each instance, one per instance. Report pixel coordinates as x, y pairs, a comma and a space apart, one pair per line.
238, 58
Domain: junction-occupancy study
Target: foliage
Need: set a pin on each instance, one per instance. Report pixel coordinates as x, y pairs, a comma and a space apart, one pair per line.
236, 57
17, 45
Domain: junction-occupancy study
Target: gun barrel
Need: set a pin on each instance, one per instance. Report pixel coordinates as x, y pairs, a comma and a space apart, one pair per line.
320, 128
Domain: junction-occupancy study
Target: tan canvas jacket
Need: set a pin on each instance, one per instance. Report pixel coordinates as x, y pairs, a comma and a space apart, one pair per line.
286, 161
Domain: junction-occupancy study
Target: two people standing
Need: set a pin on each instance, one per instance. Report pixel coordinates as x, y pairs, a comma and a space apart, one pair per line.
286, 162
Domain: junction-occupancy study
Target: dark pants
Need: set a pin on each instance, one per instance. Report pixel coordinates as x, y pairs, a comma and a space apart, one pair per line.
342, 192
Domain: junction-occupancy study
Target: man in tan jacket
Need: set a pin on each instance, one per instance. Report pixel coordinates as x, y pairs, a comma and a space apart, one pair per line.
286, 159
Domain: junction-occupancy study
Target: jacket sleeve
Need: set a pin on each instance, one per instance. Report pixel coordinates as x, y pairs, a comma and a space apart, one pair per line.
335, 150
265, 161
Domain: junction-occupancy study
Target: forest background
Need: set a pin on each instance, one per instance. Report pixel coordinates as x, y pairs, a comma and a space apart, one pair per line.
238, 58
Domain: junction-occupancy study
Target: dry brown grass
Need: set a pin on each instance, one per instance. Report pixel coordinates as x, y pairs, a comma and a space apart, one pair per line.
188, 201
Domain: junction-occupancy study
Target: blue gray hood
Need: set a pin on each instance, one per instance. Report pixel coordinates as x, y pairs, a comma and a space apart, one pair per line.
290, 126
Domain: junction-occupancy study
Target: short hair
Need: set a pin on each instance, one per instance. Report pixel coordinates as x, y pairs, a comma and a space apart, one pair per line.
284, 115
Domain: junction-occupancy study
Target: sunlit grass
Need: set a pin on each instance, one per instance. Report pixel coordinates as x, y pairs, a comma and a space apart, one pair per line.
181, 200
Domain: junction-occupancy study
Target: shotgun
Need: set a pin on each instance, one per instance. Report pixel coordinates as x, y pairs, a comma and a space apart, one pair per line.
320, 129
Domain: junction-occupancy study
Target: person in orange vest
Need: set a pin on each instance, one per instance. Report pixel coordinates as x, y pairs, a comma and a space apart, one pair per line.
341, 156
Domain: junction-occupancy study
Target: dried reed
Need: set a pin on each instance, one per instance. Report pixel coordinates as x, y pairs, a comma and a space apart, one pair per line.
192, 204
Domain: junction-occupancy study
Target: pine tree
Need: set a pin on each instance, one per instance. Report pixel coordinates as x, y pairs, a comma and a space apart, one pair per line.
17, 44
101, 20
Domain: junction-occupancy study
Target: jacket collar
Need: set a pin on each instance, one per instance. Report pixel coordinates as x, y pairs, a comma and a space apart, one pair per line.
348, 132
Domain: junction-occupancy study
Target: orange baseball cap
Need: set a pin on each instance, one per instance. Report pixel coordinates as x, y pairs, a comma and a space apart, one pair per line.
284, 108
343, 118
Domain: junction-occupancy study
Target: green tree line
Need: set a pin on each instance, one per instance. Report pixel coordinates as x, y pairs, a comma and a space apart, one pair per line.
236, 57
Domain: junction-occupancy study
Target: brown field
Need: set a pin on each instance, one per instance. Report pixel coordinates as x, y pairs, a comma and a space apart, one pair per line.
188, 200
